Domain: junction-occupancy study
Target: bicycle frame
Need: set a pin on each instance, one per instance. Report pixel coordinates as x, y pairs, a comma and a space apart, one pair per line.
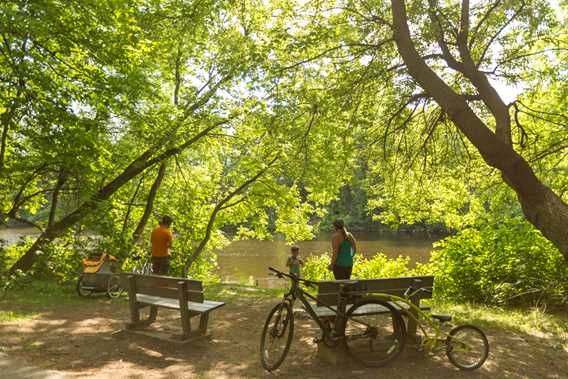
298, 293
420, 317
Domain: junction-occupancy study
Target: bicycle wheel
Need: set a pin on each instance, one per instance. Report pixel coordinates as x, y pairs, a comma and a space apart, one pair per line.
276, 336
374, 332
81, 290
114, 289
147, 268
467, 347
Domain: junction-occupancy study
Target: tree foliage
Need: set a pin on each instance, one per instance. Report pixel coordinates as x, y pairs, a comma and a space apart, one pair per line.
257, 116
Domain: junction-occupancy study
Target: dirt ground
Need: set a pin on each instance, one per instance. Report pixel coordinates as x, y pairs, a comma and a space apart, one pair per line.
86, 340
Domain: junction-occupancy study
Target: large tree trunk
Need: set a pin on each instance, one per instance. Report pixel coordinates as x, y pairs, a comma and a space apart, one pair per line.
149, 203
140, 164
542, 207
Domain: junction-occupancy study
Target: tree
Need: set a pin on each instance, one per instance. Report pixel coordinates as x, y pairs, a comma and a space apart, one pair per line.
541, 206
112, 90
363, 55
131, 87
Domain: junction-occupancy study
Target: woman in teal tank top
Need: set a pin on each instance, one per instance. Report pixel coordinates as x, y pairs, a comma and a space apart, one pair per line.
344, 249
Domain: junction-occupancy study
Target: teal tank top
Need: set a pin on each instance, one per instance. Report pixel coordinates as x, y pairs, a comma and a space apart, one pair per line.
345, 254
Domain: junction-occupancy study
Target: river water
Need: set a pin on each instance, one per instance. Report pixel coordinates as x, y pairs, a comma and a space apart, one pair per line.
247, 261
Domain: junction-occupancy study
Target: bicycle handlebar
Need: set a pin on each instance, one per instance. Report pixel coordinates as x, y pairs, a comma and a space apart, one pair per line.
280, 274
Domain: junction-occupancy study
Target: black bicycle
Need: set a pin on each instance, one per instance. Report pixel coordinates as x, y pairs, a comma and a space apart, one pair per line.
372, 330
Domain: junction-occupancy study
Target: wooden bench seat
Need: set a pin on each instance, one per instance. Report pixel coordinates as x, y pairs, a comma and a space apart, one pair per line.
206, 306
184, 295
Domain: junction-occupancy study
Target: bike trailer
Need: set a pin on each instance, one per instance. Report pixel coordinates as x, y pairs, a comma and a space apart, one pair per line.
104, 263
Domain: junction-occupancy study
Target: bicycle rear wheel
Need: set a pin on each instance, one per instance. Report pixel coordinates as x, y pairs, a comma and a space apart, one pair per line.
114, 287
82, 289
467, 347
374, 332
277, 336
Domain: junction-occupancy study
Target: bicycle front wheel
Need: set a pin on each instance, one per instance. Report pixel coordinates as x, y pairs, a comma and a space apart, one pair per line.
276, 336
467, 347
374, 332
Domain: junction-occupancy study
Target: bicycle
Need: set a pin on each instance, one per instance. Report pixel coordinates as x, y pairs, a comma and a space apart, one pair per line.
381, 333
466, 346
143, 265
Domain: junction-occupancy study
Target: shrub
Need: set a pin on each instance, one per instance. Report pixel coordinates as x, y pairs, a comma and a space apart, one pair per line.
377, 266
380, 266
315, 268
511, 263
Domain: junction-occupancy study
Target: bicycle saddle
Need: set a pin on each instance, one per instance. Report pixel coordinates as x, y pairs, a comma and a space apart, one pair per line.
442, 318
136, 258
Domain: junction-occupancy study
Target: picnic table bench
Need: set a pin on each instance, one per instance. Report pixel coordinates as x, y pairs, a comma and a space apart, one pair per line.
185, 295
328, 293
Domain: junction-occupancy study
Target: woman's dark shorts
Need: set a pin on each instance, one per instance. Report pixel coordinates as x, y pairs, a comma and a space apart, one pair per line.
340, 272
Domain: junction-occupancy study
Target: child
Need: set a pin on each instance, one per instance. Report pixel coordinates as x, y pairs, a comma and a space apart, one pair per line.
294, 261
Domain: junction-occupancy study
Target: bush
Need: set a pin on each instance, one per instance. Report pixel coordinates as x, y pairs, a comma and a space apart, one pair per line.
16, 280
315, 268
378, 266
511, 263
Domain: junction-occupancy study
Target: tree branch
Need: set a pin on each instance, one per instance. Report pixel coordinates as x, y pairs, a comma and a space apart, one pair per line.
220, 206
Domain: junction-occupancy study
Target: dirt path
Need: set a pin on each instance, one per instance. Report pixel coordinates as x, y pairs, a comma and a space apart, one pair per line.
81, 341
17, 369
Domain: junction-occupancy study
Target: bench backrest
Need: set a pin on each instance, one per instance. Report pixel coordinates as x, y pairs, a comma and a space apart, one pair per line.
166, 286
328, 291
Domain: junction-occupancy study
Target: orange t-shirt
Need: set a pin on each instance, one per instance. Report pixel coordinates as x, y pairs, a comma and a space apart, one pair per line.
161, 240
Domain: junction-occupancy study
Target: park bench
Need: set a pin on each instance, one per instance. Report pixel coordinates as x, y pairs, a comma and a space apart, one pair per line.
184, 295
328, 294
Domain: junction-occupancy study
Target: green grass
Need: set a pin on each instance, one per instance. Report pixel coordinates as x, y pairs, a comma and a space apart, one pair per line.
219, 291
16, 315
533, 320
42, 294
34, 298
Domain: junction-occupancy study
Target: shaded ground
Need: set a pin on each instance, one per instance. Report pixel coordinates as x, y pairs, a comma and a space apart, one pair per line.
79, 338
16, 369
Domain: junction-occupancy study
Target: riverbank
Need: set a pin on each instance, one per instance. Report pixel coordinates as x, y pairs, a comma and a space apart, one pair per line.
51, 327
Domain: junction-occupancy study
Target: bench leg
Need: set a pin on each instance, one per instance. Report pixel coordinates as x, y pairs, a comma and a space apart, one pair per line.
134, 313
136, 323
203, 320
185, 326
153, 314
411, 327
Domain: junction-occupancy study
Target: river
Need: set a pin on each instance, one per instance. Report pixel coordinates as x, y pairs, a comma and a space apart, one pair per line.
248, 260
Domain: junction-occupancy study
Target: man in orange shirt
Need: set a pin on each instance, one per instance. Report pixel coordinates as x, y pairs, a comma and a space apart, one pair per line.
161, 244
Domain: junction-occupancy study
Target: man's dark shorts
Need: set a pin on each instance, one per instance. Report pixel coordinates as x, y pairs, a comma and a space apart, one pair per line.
160, 265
